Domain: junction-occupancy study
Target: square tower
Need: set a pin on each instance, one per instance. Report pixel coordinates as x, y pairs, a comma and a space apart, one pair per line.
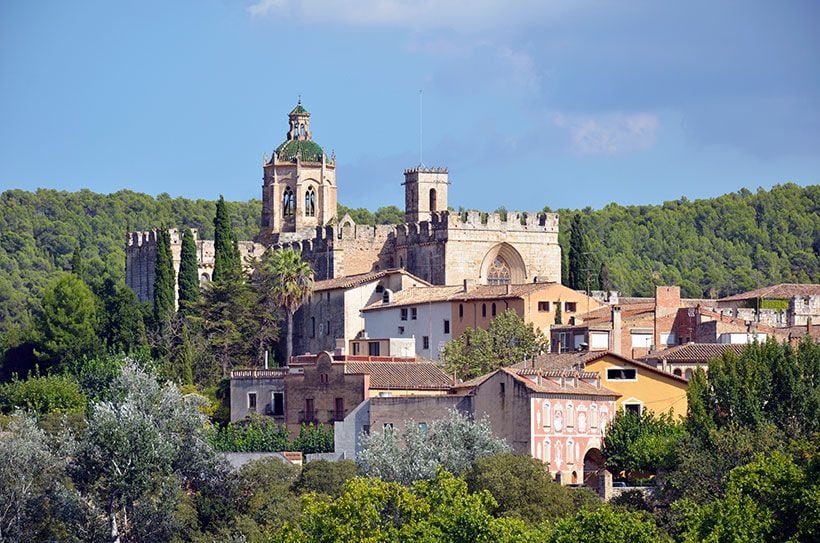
425, 192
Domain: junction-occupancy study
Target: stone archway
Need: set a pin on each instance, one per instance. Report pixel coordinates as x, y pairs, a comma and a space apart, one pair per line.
502, 265
593, 469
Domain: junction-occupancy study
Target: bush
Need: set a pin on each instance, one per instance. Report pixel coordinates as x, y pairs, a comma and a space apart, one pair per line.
43, 394
261, 434
325, 477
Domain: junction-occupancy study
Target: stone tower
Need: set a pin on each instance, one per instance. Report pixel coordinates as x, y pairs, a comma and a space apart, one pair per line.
425, 192
299, 184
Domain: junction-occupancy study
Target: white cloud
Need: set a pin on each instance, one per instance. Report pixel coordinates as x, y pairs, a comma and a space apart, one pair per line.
610, 133
464, 15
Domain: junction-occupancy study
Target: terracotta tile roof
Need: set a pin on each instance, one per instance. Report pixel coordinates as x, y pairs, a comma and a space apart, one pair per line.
777, 292
545, 383
456, 293
350, 281
579, 360
694, 352
740, 323
402, 375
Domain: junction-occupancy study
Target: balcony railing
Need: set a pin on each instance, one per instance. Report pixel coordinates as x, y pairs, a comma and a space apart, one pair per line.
308, 417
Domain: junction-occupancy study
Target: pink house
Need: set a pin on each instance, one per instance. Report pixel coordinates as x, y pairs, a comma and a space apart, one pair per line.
556, 416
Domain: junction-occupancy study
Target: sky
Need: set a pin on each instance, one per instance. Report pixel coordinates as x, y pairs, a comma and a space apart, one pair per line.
529, 103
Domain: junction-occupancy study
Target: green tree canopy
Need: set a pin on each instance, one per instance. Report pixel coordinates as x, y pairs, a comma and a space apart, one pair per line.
66, 328
188, 271
227, 262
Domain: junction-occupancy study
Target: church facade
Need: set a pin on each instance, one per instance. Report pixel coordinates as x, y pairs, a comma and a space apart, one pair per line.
299, 197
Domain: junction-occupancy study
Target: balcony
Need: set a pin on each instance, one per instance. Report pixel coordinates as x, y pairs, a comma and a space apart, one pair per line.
336, 416
308, 417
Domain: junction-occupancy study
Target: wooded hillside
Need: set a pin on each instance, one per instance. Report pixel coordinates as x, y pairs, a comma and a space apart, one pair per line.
715, 246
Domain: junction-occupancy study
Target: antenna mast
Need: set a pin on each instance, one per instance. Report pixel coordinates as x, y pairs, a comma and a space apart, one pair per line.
421, 127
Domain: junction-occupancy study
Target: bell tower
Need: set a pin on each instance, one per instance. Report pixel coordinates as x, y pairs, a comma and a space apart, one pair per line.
425, 192
298, 183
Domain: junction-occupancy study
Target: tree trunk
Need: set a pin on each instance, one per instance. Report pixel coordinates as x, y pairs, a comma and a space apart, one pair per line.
112, 520
289, 347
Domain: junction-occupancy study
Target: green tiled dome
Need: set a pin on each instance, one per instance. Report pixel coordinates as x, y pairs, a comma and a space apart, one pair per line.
309, 150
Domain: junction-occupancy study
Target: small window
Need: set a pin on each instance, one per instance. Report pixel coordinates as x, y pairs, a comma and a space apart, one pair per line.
379, 288
688, 374
324, 378
356, 349
621, 374
340, 409
327, 329
404, 313
425, 342
543, 306
252, 401
483, 310
446, 326
413, 313
278, 407
423, 428
570, 306
327, 296
401, 330
460, 311
386, 297
634, 408
493, 309
501, 388
678, 372
373, 348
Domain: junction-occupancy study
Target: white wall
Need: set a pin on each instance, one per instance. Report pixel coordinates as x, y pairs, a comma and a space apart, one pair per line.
385, 323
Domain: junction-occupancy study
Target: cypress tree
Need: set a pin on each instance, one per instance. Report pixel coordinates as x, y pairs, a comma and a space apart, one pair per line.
558, 316
77, 267
581, 272
163, 280
188, 272
227, 264
185, 358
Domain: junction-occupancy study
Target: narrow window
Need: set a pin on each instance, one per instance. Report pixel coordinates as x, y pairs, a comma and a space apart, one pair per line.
425, 340
355, 349
493, 309
278, 407
483, 310
340, 409
433, 202
309, 413
446, 326
404, 313
413, 313
328, 327
423, 429
501, 388
310, 202
288, 203
251, 401
460, 311
313, 327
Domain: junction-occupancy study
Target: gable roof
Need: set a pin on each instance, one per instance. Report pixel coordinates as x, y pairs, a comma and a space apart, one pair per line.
350, 281
581, 359
401, 375
456, 293
544, 383
778, 292
694, 352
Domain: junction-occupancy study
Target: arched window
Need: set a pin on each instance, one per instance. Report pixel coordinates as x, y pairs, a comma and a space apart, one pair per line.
570, 451
310, 202
493, 309
547, 451
677, 372
288, 203
433, 200
302, 129
499, 272
483, 310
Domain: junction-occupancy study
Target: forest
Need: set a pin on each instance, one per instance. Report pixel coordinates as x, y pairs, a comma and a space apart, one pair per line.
710, 247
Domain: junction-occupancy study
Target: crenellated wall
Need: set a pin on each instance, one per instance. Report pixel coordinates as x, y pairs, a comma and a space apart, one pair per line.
141, 255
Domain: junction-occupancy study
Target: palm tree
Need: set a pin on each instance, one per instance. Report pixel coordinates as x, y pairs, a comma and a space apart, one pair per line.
287, 280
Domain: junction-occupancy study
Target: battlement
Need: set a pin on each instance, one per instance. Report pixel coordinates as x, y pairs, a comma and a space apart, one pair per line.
423, 169
150, 237
444, 223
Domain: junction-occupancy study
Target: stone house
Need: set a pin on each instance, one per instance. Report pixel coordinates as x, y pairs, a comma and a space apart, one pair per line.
331, 317
324, 388
683, 360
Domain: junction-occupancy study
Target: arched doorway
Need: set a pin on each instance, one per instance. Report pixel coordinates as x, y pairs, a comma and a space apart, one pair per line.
593, 469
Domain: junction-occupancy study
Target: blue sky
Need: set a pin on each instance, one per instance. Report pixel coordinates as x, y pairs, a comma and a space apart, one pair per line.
529, 103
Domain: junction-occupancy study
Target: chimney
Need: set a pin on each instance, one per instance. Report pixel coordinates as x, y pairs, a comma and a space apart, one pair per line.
615, 336
467, 284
